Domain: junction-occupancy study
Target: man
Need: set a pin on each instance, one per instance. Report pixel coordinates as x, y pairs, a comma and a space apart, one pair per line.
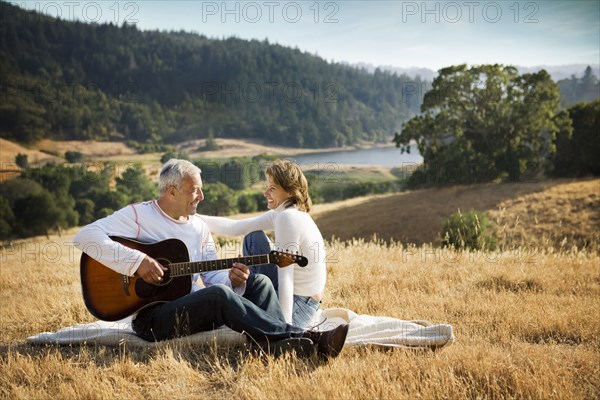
235, 298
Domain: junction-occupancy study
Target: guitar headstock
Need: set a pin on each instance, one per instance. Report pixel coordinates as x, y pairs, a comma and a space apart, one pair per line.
284, 259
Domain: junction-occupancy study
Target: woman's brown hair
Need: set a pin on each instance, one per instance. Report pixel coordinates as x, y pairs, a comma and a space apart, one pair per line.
290, 177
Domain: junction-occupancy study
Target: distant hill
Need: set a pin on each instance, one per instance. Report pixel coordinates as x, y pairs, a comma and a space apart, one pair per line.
557, 72
424, 73
576, 82
70, 80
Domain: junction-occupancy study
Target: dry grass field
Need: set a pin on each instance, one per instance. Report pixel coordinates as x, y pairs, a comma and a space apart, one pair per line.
526, 320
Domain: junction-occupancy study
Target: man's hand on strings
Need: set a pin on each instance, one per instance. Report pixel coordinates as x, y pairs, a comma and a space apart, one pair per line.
151, 271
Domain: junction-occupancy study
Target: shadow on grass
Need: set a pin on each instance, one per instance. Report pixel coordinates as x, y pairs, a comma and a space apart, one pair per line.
203, 357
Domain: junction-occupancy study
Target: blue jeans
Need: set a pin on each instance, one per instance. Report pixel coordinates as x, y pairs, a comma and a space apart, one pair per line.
256, 314
256, 243
305, 307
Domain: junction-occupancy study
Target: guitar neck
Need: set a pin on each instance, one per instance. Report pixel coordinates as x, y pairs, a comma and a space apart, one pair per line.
194, 267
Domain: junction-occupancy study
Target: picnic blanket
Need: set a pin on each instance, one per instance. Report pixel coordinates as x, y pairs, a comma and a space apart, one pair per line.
364, 330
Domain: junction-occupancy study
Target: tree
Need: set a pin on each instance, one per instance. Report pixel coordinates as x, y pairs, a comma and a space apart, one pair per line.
85, 209
22, 161
577, 153
135, 184
589, 89
219, 199
7, 219
247, 203
108, 202
482, 123
74, 157
14, 189
37, 214
576, 90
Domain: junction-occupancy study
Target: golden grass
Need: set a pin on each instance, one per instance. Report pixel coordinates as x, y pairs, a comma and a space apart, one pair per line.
241, 148
91, 148
526, 326
525, 317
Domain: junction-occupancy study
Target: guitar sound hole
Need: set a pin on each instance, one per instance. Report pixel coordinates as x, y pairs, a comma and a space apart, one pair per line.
145, 290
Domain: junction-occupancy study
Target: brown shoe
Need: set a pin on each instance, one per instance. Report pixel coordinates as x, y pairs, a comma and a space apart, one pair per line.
329, 343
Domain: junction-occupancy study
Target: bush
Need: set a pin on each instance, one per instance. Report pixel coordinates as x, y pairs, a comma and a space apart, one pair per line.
22, 161
74, 157
210, 145
468, 231
174, 154
247, 203
219, 199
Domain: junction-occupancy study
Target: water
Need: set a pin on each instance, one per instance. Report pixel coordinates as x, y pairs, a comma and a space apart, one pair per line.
385, 156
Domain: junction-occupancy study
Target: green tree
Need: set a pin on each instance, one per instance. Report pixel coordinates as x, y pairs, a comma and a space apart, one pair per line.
108, 202
135, 184
247, 203
174, 154
74, 157
219, 199
37, 214
14, 189
22, 161
483, 123
85, 208
55, 178
577, 152
7, 219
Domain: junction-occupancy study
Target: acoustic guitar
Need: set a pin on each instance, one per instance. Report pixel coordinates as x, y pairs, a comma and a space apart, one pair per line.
111, 296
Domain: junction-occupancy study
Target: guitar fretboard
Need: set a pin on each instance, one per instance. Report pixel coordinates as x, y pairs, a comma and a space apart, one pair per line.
194, 267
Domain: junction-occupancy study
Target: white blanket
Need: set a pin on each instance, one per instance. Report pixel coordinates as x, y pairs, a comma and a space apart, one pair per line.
364, 330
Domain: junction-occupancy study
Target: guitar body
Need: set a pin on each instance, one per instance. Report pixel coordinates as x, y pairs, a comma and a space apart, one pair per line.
111, 296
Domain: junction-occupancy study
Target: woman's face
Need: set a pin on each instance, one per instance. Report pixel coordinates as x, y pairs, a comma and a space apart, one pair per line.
274, 194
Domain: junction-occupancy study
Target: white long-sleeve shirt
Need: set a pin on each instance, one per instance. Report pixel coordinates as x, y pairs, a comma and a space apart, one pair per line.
146, 222
294, 231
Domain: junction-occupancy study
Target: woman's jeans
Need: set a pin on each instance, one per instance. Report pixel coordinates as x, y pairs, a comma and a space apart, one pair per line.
305, 307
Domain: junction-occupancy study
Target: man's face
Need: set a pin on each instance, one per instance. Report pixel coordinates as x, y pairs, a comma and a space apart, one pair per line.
190, 194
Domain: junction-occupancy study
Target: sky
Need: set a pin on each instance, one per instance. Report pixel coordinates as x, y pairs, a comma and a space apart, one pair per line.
404, 34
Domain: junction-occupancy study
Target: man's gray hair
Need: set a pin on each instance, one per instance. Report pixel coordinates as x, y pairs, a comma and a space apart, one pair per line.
173, 172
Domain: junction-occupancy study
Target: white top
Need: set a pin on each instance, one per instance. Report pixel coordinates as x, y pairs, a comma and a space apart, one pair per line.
146, 222
295, 230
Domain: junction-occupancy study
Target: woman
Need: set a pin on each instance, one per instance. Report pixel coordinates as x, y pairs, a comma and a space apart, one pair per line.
300, 289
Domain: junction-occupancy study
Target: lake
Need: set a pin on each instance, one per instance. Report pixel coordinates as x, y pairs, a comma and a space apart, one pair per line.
382, 156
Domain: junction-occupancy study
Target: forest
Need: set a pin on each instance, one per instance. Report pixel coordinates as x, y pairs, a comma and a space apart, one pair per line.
73, 80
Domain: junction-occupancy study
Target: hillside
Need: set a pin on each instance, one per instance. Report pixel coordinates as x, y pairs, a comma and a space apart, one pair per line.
9, 150
558, 213
69, 80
